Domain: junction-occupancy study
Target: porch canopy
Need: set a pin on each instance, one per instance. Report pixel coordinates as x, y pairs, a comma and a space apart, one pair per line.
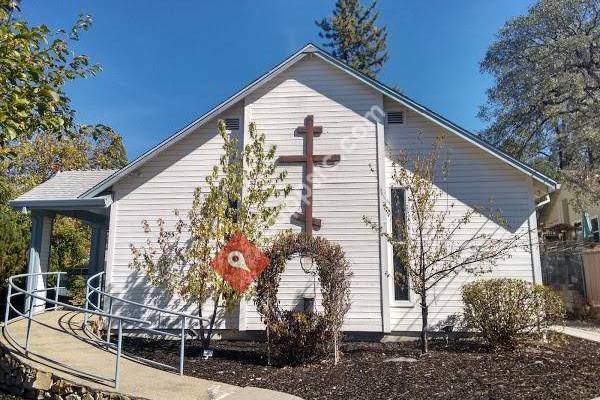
62, 195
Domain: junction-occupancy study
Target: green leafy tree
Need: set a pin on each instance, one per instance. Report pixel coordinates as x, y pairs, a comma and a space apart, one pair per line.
106, 149
545, 105
70, 244
243, 193
14, 240
38, 133
35, 161
433, 240
353, 36
35, 64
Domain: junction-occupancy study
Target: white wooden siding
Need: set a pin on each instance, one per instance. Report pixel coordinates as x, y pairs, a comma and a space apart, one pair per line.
165, 183
342, 194
475, 178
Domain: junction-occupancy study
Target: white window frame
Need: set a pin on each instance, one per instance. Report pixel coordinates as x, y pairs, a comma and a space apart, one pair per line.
392, 287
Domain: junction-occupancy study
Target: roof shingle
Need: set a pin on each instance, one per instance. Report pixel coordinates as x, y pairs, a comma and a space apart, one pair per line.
66, 185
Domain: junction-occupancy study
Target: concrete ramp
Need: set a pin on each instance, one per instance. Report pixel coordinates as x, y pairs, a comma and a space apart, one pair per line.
59, 346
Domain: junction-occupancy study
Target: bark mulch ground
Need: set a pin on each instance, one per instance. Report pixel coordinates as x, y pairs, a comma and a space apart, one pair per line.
566, 368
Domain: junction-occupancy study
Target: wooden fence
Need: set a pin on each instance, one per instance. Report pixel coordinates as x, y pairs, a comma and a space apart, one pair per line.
591, 267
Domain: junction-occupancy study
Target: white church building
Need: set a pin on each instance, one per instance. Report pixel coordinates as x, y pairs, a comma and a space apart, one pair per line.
363, 121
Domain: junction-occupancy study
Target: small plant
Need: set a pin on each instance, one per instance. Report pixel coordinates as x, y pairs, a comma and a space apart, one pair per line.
503, 310
300, 337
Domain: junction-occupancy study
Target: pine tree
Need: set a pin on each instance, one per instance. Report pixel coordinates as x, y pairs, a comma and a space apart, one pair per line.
353, 36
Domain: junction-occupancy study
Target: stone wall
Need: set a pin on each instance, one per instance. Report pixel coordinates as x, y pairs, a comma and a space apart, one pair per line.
22, 380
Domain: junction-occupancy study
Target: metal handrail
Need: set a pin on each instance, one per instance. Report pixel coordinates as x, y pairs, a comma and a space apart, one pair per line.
29, 306
100, 294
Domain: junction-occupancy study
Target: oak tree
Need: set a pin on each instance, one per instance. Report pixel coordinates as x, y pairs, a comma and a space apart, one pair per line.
544, 107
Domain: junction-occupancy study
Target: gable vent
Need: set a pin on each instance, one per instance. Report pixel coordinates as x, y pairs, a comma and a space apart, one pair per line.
232, 124
395, 117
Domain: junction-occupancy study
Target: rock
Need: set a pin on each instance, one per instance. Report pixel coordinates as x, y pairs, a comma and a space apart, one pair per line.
72, 396
87, 396
43, 381
116, 396
401, 359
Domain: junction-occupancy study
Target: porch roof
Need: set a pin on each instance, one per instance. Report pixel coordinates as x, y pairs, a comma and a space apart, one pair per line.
63, 191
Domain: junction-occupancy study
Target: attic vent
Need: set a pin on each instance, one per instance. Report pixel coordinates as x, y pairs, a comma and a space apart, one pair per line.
232, 124
395, 117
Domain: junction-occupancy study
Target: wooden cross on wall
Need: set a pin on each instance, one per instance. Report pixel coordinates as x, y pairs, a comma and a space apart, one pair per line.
310, 159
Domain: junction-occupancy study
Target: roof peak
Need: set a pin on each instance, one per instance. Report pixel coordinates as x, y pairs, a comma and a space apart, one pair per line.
310, 48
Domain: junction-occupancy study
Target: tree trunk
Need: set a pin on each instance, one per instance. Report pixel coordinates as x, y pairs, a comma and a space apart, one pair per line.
205, 333
201, 330
268, 345
207, 339
424, 317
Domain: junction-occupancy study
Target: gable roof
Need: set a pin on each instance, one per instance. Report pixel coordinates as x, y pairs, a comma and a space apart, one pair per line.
380, 87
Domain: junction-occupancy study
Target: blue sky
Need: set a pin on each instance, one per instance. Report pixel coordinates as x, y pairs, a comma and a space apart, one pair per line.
165, 63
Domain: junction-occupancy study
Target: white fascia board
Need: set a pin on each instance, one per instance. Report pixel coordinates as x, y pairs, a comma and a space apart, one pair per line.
64, 204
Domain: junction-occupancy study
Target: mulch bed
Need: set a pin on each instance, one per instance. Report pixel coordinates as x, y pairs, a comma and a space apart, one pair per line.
566, 368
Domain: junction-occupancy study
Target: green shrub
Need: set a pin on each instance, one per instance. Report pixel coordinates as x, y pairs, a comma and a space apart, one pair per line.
300, 337
503, 310
14, 242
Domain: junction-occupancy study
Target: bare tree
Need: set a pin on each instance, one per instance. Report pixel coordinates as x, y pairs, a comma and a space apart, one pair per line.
431, 238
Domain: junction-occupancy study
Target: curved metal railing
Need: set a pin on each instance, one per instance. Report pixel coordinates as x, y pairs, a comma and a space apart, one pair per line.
108, 301
31, 295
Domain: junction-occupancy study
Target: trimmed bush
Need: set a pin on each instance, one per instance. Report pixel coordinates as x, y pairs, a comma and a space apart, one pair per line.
300, 337
503, 310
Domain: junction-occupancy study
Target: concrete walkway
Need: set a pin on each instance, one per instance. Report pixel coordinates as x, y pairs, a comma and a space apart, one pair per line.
581, 333
59, 345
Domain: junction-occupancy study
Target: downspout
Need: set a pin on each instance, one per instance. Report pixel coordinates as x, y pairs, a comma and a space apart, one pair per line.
543, 202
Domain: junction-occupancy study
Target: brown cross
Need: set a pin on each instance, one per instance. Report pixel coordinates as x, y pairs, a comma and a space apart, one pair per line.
310, 159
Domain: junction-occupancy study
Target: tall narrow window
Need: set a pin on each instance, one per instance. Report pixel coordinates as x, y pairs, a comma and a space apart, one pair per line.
398, 206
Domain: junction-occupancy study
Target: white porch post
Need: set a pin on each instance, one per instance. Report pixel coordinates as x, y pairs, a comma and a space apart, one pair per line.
38, 256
